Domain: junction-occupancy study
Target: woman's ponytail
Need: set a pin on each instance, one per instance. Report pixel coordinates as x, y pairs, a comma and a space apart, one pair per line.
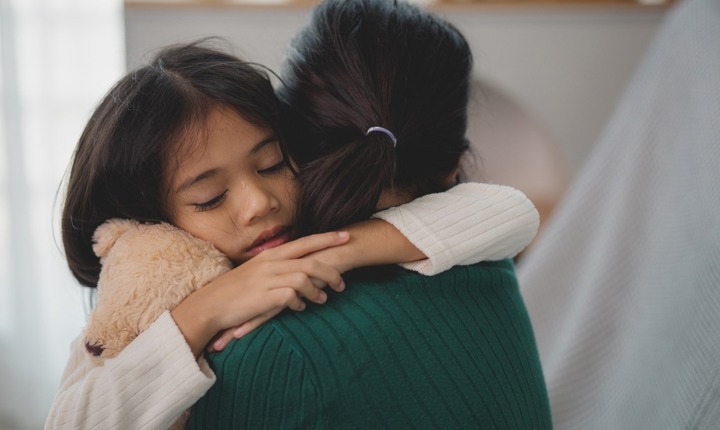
344, 186
362, 64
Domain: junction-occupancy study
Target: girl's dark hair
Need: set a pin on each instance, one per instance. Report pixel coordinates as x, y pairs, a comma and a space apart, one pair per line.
365, 63
118, 162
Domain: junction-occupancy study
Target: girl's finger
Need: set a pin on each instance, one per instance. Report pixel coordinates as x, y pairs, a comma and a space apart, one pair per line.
295, 302
237, 332
251, 325
221, 341
309, 244
296, 285
319, 273
339, 286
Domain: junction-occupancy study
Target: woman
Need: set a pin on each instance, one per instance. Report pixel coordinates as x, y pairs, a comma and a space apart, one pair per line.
377, 92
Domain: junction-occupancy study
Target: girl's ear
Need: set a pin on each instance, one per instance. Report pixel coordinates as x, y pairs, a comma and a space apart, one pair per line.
108, 233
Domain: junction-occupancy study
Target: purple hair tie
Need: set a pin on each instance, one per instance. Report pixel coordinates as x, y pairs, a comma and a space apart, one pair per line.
383, 130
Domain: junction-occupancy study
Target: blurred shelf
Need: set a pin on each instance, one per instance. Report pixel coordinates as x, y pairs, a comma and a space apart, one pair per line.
436, 4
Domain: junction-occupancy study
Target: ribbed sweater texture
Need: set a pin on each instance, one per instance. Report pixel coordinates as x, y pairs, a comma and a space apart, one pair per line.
451, 351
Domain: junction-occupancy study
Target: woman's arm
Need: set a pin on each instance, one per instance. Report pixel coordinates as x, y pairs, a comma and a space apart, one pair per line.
467, 224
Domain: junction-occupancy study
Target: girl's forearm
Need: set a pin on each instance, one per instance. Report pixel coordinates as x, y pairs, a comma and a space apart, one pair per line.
147, 386
195, 321
373, 242
469, 223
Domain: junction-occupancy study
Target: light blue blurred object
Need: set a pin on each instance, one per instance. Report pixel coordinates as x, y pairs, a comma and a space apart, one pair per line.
623, 287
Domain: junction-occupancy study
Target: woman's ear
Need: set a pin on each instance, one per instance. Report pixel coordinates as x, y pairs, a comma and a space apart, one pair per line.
392, 197
452, 178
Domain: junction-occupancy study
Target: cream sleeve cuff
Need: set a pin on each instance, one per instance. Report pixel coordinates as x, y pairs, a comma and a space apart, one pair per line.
147, 386
469, 223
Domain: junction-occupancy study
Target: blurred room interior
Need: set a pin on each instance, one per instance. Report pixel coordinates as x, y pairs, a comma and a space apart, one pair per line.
548, 72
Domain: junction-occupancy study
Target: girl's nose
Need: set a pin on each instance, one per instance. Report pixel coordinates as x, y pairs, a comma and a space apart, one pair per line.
258, 202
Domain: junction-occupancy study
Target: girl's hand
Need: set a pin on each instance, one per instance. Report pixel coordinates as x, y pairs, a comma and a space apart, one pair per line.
259, 289
374, 242
226, 336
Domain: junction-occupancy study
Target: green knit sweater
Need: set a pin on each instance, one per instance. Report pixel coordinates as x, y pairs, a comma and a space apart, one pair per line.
454, 350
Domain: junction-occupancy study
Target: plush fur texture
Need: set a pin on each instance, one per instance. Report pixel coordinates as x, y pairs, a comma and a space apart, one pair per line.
146, 269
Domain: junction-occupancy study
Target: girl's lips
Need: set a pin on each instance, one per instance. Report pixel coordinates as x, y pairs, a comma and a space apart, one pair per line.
270, 239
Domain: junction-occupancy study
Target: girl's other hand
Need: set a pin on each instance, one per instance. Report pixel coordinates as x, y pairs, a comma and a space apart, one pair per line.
220, 342
259, 289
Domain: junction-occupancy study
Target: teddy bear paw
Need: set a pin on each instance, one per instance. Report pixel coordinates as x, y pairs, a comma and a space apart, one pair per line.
94, 349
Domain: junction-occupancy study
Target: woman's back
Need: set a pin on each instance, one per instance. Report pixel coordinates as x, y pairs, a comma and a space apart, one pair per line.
455, 350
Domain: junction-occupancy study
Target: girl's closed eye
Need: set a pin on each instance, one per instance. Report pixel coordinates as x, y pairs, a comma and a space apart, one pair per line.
212, 203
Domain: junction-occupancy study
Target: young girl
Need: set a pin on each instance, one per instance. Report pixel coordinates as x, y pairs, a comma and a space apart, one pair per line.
194, 139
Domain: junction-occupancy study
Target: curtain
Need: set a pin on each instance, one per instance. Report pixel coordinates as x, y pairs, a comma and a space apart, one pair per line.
58, 57
623, 287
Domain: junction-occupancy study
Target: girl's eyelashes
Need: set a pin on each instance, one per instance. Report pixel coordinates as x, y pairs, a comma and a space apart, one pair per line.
212, 203
217, 200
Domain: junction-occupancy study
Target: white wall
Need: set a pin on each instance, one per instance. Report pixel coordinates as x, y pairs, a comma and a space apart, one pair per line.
567, 66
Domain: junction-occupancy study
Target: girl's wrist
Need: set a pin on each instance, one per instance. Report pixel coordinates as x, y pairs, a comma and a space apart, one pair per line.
195, 321
377, 242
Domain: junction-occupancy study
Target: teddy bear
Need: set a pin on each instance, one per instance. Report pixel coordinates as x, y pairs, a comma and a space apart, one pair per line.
146, 270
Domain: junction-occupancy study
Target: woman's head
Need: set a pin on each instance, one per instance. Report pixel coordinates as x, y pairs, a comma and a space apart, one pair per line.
150, 153
373, 63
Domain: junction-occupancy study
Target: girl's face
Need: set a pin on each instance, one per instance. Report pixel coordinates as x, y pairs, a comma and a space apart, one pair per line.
235, 191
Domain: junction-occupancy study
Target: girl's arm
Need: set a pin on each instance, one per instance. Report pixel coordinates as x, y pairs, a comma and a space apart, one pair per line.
147, 386
469, 223
264, 285
157, 375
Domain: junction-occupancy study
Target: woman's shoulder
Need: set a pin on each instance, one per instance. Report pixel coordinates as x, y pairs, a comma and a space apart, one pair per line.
398, 299
467, 324
401, 303
389, 275
498, 274
505, 267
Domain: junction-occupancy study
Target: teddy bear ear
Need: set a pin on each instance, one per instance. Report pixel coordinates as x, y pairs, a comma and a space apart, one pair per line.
108, 233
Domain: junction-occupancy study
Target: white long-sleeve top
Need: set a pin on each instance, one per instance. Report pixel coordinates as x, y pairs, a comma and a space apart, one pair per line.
156, 377
467, 224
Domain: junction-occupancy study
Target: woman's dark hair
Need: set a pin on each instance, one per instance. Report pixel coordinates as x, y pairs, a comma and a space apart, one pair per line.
118, 162
366, 63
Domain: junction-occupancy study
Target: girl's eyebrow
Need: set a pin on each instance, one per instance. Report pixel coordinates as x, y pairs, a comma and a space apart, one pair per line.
263, 143
194, 180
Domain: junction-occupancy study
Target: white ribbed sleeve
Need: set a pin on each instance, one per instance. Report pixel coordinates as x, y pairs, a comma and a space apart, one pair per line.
467, 224
147, 386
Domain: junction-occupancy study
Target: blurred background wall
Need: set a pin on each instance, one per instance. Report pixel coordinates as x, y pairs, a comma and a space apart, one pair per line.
566, 65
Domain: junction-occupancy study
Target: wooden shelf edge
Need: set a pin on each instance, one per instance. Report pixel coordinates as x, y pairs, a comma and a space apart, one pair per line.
551, 5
